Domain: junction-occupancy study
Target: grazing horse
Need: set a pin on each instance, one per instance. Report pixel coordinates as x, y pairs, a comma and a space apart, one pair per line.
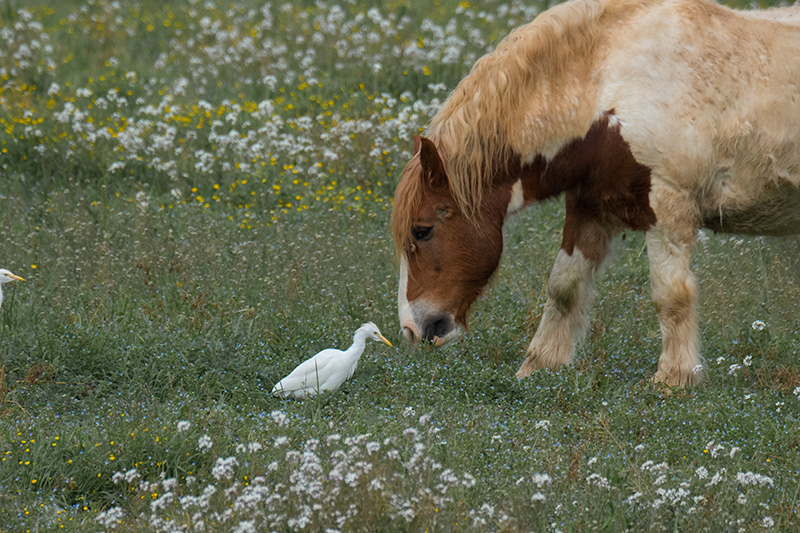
663, 116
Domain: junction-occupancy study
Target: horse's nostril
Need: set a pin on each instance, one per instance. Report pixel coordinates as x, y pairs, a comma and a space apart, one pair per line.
437, 328
441, 327
408, 333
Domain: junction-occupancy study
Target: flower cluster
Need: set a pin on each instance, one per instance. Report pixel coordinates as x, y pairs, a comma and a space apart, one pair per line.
336, 482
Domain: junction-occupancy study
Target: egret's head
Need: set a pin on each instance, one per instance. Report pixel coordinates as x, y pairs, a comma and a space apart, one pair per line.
373, 332
6, 276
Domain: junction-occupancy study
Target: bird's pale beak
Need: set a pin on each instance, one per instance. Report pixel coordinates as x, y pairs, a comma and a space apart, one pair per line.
384, 339
14, 276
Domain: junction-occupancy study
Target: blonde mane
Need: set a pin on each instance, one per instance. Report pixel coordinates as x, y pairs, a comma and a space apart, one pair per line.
519, 99
515, 96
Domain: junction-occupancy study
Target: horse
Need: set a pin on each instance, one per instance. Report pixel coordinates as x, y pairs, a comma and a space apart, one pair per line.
660, 116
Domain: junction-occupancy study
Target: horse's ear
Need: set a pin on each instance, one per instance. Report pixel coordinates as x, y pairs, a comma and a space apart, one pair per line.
431, 162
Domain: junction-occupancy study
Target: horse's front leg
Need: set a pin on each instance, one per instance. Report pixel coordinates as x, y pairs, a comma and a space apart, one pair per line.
570, 290
669, 248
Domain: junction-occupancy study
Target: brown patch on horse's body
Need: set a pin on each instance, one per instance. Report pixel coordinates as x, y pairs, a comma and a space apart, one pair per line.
603, 183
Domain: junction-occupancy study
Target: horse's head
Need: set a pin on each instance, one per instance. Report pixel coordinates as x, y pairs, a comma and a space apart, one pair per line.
446, 256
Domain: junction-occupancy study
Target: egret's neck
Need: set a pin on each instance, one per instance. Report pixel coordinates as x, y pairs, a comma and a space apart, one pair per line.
359, 341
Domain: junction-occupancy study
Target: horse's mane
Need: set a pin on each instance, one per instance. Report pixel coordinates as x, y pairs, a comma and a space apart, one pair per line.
494, 101
512, 102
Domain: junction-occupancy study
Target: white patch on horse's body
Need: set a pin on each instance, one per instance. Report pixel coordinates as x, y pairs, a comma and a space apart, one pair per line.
517, 201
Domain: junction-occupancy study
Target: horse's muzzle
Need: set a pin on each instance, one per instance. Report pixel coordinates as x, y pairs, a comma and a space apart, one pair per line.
437, 329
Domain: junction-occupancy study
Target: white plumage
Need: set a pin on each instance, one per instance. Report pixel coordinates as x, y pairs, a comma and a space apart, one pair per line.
329, 368
5, 277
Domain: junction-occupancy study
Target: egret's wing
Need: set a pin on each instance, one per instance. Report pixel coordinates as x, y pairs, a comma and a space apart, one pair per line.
309, 377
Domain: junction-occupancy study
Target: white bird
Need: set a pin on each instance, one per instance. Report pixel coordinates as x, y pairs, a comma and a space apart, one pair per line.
5, 277
329, 368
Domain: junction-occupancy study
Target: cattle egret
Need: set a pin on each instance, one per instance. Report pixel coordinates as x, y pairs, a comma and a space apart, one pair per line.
329, 368
5, 277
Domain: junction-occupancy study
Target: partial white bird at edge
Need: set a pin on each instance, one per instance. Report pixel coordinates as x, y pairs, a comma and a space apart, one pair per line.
5, 277
327, 370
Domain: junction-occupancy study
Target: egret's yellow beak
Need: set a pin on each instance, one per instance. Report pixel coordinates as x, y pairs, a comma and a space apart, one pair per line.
384, 339
14, 276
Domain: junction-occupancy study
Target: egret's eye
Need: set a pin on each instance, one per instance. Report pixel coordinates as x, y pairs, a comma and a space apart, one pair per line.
422, 233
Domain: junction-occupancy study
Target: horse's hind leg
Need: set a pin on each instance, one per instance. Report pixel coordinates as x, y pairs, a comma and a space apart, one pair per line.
570, 291
669, 247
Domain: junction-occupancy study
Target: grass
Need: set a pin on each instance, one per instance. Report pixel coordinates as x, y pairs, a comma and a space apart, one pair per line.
187, 243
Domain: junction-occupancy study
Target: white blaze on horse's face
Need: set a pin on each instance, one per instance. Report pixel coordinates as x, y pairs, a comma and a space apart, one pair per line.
436, 326
408, 327
445, 259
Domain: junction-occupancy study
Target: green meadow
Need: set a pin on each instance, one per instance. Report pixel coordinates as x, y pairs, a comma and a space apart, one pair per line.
198, 196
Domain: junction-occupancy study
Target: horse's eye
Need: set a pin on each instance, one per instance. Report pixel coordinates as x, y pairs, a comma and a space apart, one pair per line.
422, 233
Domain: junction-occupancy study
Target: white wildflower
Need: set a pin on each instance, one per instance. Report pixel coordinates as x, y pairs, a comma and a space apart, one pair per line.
752, 478
633, 498
541, 479
716, 478
598, 480
246, 526
204, 443
184, 425
162, 502
111, 517
758, 325
410, 432
280, 418
224, 468
542, 424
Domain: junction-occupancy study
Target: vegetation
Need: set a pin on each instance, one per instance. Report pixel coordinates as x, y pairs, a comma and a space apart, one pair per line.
198, 195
